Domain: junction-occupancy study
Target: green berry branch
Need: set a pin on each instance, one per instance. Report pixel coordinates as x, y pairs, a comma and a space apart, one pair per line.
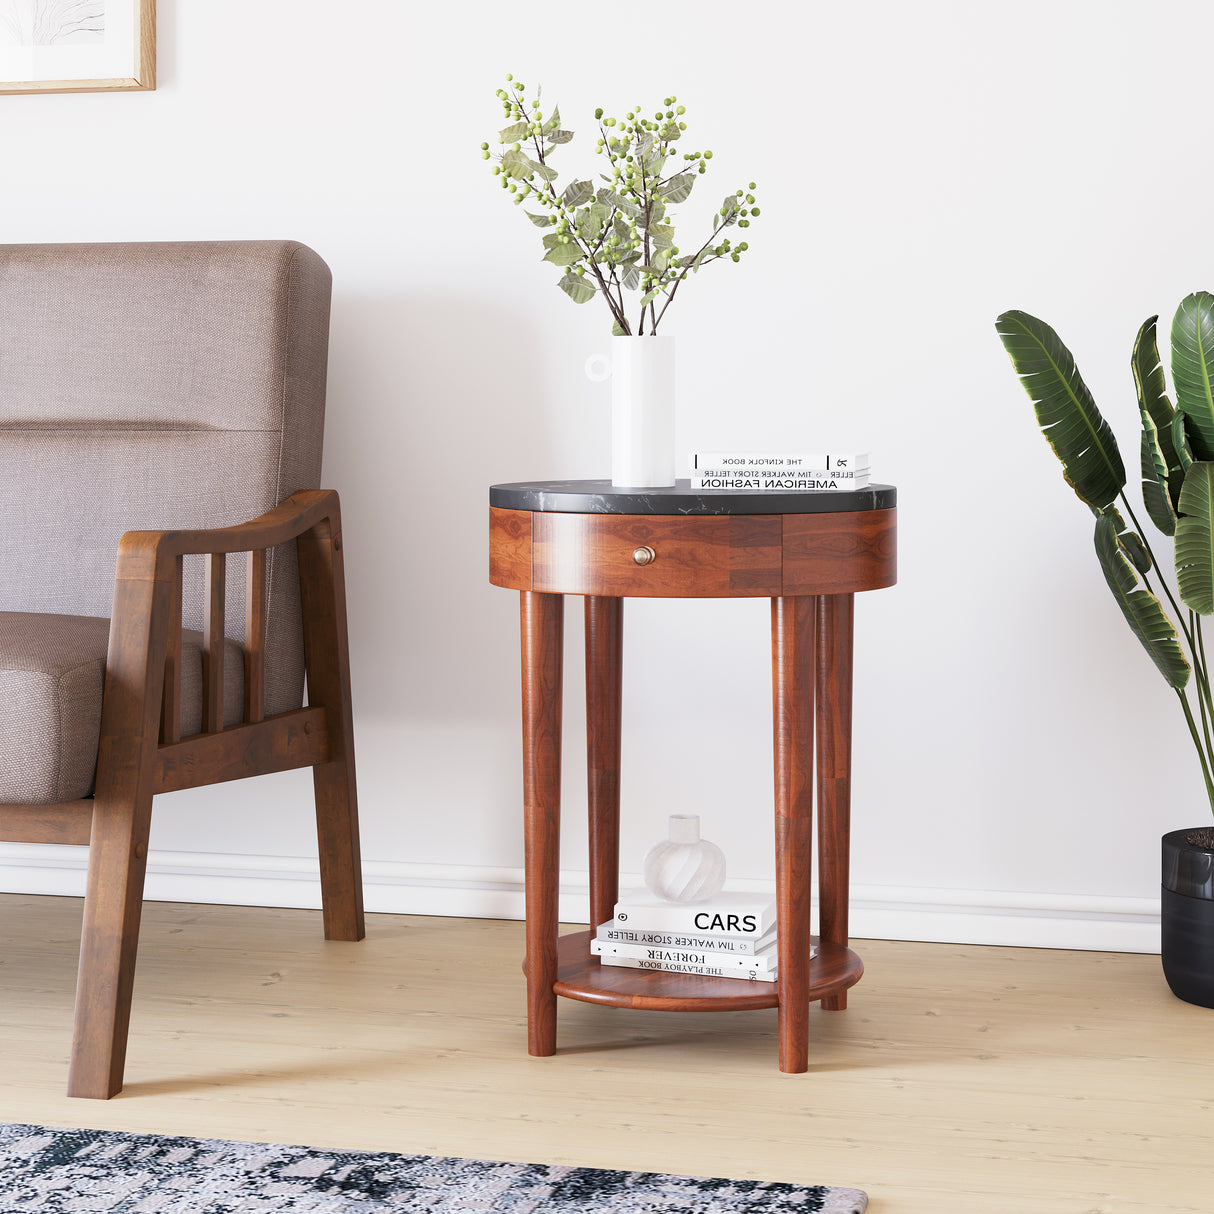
619, 237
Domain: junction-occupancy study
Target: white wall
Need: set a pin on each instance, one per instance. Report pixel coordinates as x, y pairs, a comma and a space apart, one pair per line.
921, 168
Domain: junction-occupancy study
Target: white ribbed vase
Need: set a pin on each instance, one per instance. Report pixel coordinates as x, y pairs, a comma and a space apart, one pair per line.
685, 868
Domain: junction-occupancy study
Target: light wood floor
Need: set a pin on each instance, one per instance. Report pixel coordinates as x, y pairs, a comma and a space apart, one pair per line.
962, 1080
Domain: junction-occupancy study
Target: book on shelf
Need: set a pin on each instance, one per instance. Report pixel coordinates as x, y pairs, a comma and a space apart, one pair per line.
678, 967
735, 963
742, 946
727, 914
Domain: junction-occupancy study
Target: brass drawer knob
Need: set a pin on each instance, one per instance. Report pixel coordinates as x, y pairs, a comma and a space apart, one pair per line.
644, 555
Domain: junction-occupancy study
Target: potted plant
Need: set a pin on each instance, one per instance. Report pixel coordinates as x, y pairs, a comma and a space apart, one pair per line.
618, 239
1177, 462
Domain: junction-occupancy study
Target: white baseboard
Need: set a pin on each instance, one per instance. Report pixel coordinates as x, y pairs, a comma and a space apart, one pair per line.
948, 916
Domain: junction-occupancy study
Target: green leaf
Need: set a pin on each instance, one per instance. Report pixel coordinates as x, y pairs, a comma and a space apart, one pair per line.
1154, 479
577, 193
578, 289
1195, 539
560, 137
678, 189
612, 199
663, 235
631, 278
1193, 369
518, 166
1180, 440
547, 173
658, 262
618, 330
1066, 412
1161, 472
516, 133
554, 121
1132, 545
541, 221
589, 225
563, 254
650, 296
1142, 610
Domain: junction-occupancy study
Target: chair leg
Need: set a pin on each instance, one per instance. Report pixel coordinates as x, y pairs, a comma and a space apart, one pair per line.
327, 658
122, 818
112, 906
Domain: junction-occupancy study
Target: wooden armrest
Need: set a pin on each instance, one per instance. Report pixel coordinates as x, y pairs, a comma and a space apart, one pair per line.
154, 557
146, 554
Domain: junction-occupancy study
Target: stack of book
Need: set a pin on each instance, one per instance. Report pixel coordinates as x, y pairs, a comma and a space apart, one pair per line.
730, 936
751, 472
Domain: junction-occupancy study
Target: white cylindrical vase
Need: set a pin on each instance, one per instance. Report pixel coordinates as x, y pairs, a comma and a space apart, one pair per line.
684, 867
642, 412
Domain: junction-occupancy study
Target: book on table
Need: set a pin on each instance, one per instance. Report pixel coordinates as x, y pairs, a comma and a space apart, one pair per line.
747, 471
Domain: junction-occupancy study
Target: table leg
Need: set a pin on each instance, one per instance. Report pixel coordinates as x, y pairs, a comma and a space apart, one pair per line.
792, 653
542, 620
604, 682
834, 690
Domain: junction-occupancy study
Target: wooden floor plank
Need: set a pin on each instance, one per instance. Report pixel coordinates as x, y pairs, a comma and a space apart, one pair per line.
962, 1079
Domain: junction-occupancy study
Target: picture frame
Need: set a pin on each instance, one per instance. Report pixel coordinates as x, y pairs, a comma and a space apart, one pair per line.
77, 46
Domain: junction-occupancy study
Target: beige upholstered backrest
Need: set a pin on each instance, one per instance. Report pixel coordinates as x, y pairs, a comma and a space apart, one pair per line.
150, 387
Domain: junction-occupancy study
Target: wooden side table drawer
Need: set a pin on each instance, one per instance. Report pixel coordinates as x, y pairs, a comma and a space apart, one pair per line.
695, 556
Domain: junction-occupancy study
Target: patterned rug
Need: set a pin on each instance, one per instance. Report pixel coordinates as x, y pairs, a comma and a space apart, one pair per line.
46, 1171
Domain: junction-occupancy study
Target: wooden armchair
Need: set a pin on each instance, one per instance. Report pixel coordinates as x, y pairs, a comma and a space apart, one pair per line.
182, 386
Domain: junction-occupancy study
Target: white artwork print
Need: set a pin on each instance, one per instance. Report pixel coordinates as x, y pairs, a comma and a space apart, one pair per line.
67, 40
52, 22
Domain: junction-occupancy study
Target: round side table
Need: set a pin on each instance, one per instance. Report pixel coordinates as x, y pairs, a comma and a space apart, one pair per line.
809, 553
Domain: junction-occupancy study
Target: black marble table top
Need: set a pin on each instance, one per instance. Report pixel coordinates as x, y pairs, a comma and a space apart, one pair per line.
599, 497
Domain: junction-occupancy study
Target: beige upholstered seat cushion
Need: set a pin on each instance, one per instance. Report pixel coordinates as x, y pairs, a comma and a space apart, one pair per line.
52, 673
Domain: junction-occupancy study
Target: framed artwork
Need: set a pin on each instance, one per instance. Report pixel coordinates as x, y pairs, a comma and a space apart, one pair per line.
77, 46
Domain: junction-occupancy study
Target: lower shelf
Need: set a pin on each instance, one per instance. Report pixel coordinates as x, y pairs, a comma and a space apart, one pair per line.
581, 976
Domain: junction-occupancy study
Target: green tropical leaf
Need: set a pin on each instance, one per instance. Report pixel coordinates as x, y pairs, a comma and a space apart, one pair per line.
577, 193
1154, 479
1195, 539
578, 289
1193, 369
678, 189
1066, 412
1180, 441
1143, 611
1161, 472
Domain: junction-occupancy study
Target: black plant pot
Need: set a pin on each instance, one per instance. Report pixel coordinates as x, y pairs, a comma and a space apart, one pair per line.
1187, 918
